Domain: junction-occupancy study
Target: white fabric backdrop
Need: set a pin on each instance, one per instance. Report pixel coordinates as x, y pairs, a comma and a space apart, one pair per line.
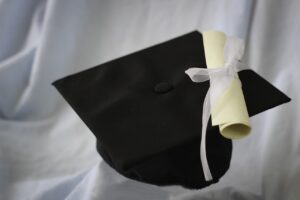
46, 152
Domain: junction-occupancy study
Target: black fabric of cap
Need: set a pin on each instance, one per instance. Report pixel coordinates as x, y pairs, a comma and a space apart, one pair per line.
146, 112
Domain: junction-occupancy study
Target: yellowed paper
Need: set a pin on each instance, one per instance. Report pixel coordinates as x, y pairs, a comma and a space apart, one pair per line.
230, 111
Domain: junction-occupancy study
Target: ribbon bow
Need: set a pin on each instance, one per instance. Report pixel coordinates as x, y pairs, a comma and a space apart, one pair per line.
220, 80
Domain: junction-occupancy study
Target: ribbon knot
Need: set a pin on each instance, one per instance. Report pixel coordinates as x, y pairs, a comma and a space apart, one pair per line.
220, 80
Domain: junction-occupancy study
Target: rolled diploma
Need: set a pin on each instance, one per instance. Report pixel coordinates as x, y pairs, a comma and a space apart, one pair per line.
229, 111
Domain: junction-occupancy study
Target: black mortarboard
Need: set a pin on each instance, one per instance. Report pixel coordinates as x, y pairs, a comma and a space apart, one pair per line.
146, 112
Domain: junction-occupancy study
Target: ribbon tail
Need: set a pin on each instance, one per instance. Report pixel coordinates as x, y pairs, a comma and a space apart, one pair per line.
205, 119
198, 74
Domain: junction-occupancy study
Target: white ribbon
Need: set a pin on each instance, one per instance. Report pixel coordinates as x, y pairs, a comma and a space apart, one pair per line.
220, 80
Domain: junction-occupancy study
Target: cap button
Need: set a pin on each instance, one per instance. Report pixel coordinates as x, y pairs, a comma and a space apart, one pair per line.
163, 87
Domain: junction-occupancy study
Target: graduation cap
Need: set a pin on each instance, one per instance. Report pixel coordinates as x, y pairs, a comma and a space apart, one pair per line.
146, 112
